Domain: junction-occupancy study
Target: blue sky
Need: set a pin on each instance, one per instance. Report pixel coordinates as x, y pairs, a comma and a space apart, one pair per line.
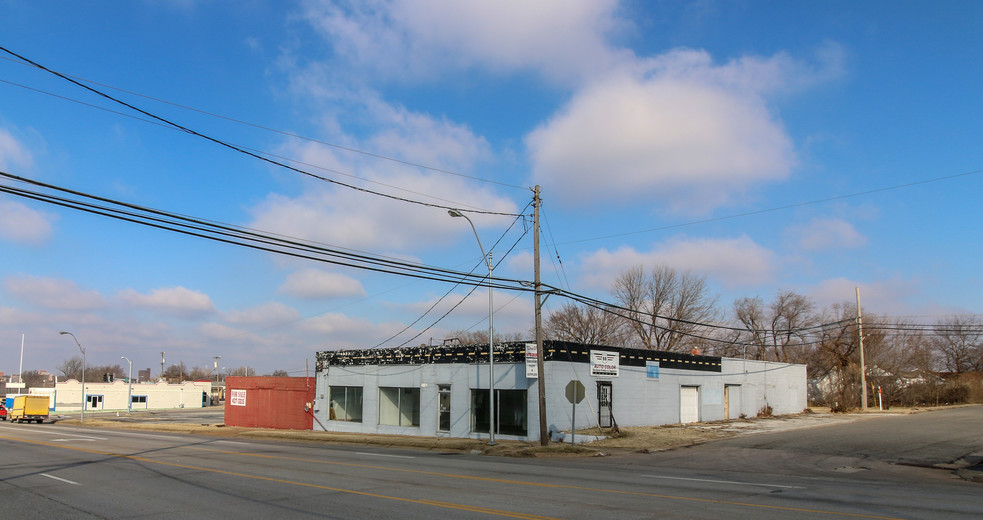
749, 142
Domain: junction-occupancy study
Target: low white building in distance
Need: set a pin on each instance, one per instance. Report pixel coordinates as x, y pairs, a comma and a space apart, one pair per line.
66, 396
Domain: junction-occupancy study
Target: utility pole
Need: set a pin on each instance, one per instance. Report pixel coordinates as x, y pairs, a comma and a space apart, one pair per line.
544, 439
863, 370
162, 365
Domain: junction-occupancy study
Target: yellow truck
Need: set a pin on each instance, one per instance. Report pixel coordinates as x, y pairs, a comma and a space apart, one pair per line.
29, 408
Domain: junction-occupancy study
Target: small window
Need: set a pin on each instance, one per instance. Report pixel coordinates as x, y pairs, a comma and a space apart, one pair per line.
139, 399
346, 403
399, 406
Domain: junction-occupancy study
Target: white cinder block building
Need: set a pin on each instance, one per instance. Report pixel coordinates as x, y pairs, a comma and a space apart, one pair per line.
67, 395
443, 391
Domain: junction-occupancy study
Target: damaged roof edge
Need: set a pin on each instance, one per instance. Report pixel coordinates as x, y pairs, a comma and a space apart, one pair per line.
511, 352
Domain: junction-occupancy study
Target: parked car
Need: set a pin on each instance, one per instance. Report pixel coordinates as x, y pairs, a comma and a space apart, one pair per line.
3, 412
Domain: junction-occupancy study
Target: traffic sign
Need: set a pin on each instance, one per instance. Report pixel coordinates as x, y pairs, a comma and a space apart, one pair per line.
575, 391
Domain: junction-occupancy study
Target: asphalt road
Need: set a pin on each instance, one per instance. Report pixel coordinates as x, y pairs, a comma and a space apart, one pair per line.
841, 471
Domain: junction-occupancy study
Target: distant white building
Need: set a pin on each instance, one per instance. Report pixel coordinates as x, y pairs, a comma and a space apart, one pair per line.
66, 396
443, 390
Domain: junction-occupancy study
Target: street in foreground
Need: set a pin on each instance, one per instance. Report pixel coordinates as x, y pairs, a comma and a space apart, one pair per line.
873, 468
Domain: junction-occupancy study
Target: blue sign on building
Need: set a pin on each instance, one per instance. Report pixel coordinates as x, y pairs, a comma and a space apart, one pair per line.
652, 369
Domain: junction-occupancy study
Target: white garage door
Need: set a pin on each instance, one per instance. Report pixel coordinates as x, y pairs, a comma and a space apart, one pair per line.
689, 404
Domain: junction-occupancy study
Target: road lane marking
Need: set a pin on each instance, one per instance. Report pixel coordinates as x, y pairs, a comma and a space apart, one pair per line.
546, 485
724, 482
65, 480
435, 503
63, 429
75, 438
448, 475
384, 455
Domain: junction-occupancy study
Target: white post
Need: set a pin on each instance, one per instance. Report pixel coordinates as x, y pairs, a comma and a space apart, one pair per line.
20, 369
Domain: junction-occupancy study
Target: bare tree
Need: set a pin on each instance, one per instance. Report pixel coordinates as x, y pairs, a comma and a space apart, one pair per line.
200, 374
34, 379
480, 337
958, 342
778, 327
280, 373
750, 312
585, 324
176, 373
71, 368
665, 308
242, 371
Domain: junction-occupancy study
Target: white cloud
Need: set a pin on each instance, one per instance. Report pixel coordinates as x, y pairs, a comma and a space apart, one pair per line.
315, 284
177, 301
338, 215
414, 39
18, 317
53, 293
827, 233
272, 313
690, 139
12, 152
21, 224
731, 263
892, 296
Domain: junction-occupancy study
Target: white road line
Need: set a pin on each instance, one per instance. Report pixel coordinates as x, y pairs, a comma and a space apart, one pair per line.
54, 431
60, 479
73, 439
384, 455
725, 482
65, 429
234, 442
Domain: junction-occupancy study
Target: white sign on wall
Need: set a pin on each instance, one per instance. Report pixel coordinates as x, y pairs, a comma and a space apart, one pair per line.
604, 363
532, 369
237, 397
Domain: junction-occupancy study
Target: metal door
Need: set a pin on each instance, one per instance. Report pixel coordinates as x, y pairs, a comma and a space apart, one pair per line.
605, 396
689, 404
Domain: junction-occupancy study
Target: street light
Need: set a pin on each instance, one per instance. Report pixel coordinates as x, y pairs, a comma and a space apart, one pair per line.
82, 420
129, 379
491, 329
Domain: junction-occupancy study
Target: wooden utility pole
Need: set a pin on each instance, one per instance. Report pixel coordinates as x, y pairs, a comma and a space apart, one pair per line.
863, 369
544, 439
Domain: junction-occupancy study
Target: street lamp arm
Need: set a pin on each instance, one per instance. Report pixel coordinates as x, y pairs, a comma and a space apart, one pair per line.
456, 213
63, 333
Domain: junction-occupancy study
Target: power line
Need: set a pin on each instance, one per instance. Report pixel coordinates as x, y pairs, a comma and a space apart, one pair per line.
238, 148
266, 128
261, 152
245, 237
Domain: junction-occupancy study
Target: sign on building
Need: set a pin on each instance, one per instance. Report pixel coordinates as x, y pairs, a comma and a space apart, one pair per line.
604, 363
652, 370
532, 369
237, 397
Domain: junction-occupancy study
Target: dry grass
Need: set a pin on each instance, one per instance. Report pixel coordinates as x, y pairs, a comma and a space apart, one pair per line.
637, 439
